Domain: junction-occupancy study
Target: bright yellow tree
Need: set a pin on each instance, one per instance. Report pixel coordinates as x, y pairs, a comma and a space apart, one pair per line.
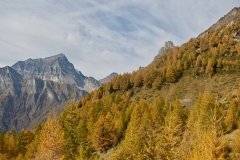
51, 141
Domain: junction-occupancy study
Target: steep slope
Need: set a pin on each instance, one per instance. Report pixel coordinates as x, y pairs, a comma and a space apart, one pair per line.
30, 89
124, 108
39, 97
10, 80
138, 115
233, 15
10, 91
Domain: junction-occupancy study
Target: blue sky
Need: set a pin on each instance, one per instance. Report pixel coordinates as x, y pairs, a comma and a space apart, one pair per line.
102, 36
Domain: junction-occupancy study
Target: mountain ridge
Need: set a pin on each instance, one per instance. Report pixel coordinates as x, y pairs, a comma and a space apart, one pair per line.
185, 76
184, 105
233, 15
30, 89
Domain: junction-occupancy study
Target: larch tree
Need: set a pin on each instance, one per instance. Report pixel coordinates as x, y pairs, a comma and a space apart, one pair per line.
205, 131
230, 122
211, 66
171, 136
238, 49
69, 121
9, 145
132, 147
235, 154
199, 61
51, 141
104, 134
171, 74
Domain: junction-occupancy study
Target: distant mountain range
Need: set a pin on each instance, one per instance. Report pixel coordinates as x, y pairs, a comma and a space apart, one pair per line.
108, 78
30, 89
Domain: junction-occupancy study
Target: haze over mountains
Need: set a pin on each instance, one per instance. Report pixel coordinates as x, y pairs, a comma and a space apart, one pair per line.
30, 89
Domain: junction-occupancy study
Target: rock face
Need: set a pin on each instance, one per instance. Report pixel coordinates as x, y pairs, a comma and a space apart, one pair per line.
30, 89
167, 46
57, 69
91, 83
108, 78
10, 81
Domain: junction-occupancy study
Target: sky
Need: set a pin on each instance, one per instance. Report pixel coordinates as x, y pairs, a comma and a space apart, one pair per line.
102, 36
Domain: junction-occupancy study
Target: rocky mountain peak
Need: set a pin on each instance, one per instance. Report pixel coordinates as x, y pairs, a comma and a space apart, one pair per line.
167, 46
108, 78
30, 89
60, 56
55, 68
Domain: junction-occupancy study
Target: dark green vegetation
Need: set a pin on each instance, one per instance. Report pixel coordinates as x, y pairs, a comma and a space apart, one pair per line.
184, 105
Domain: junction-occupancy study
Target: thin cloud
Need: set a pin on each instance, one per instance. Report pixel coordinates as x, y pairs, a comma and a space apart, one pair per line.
101, 36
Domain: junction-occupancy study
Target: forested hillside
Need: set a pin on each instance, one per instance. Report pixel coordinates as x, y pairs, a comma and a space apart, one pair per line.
144, 114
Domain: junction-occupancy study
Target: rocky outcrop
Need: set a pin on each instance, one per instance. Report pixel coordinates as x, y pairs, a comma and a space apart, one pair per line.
167, 46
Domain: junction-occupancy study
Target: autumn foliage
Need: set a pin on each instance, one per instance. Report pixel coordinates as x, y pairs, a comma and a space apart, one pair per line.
127, 118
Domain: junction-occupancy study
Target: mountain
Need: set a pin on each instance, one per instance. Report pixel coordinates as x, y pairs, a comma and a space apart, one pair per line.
167, 46
186, 99
184, 105
232, 16
57, 69
10, 80
108, 78
30, 89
